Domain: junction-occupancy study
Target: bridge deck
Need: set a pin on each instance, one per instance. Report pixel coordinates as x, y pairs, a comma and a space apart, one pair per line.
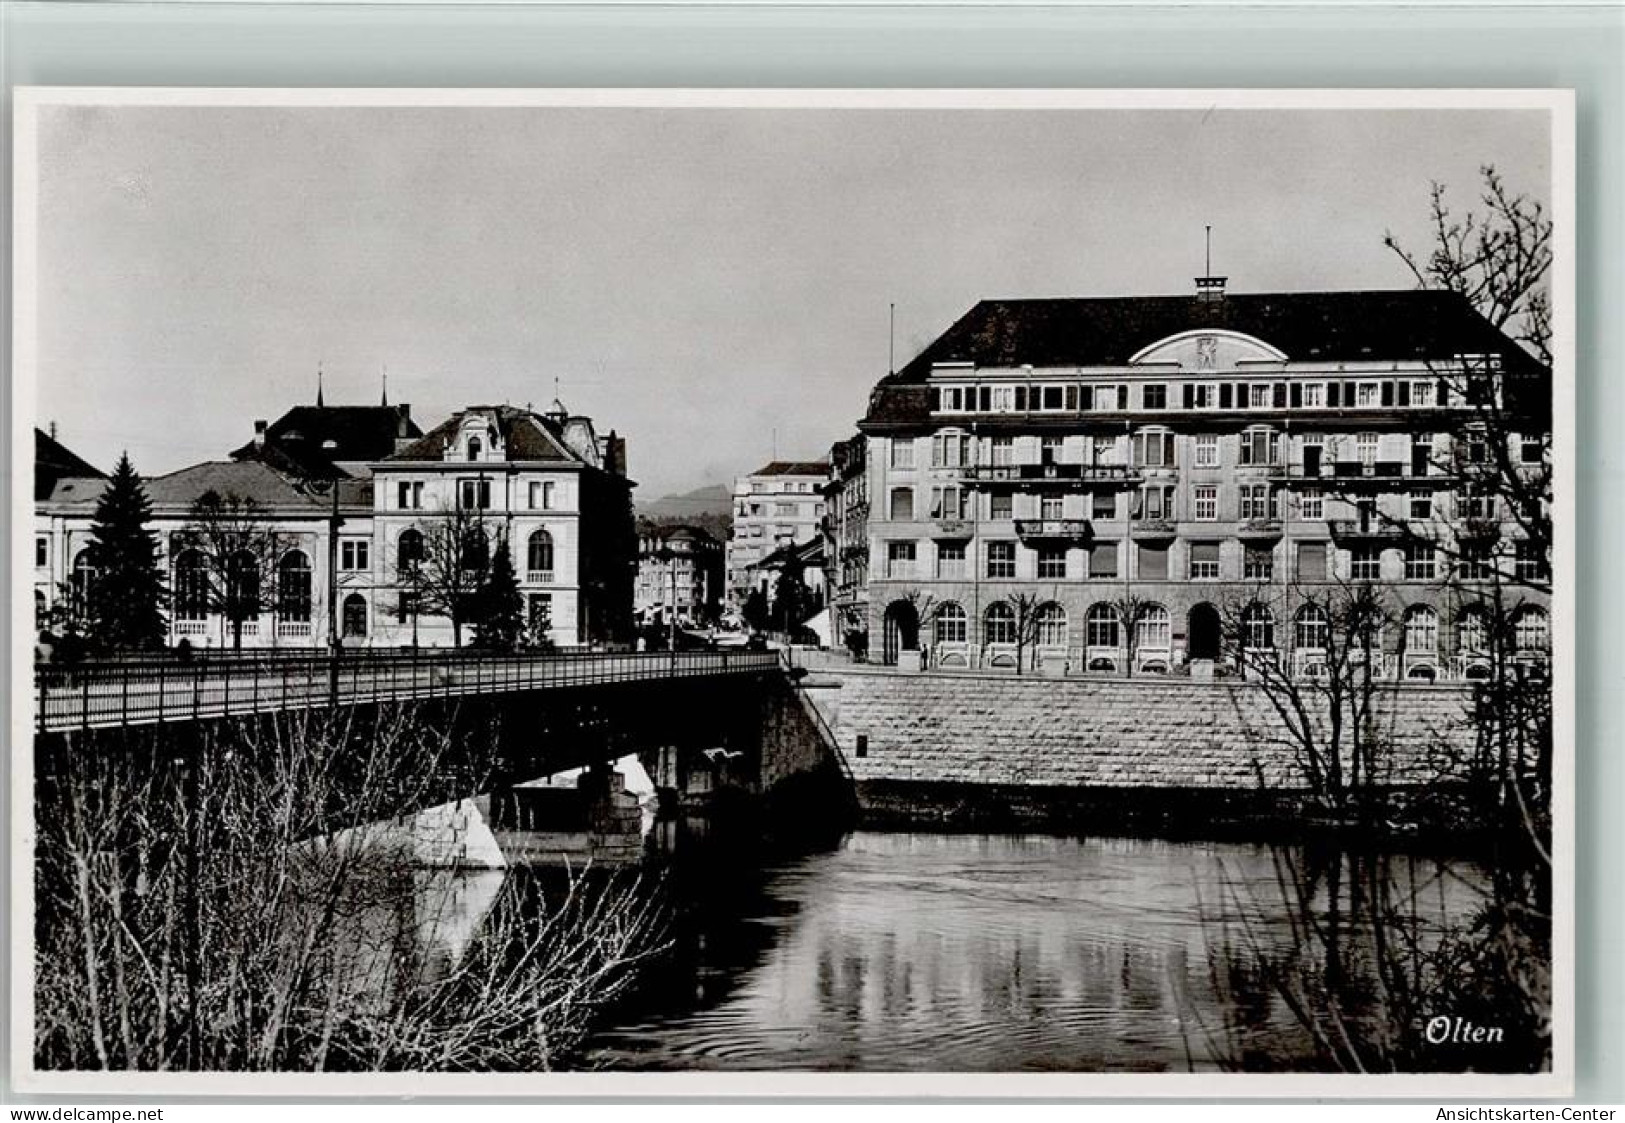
141, 692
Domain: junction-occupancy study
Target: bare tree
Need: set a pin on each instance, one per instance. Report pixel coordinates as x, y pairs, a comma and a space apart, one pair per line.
450, 567
1131, 609
240, 557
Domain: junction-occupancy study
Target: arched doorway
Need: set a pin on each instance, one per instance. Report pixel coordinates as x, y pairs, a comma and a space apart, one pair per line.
902, 631
1204, 633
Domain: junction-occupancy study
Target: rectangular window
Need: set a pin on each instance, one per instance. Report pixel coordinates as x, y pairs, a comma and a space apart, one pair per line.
1475, 562
1531, 563
1311, 561
1255, 502
1004, 451
1154, 448
1156, 502
1477, 448
1258, 447
948, 503
1365, 563
1258, 564
1104, 505
42, 552
902, 504
1154, 396
1054, 398
1259, 395
1001, 559
1049, 449
1368, 395
1000, 507
951, 559
1103, 451
1204, 561
355, 554
1207, 450
784, 510
1421, 505
1422, 393
1206, 505
474, 495
409, 496
539, 614
1153, 562
1052, 563
1205, 395
1002, 399
949, 450
1312, 503
1421, 454
1478, 503
541, 495
1106, 398
1531, 449
406, 606
899, 559
902, 454
1103, 560
1420, 562
1314, 395
1051, 507
1365, 448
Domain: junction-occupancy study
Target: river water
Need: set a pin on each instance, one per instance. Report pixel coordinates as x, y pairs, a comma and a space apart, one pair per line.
900, 952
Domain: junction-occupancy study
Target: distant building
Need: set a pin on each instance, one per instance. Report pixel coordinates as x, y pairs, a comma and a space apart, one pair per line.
679, 570
779, 504
846, 541
1192, 453
546, 482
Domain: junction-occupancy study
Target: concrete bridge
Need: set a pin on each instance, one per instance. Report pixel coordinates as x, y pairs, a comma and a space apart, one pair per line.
124, 693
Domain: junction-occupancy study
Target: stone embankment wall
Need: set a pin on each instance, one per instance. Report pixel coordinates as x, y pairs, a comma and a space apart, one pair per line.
1144, 733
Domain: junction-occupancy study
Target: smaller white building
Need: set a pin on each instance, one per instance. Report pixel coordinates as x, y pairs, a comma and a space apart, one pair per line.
780, 504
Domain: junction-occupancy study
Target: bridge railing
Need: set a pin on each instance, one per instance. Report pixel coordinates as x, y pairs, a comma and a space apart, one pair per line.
140, 691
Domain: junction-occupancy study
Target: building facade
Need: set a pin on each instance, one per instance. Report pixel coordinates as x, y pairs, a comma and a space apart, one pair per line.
1049, 474
352, 502
679, 572
780, 504
846, 543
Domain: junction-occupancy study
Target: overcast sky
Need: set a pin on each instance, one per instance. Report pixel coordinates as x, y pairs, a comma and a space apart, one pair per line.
694, 279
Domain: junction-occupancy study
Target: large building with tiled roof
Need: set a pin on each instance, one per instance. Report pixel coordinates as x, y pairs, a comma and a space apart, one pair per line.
546, 482
779, 504
1207, 459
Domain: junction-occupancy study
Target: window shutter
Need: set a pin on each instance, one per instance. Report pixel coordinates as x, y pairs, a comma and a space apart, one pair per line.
1153, 562
1072, 398
1333, 390
1088, 397
1387, 393
1348, 394
1297, 395
986, 393
1021, 398
1122, 396
1224, 395
1404, 393
1190, 396
1280, 395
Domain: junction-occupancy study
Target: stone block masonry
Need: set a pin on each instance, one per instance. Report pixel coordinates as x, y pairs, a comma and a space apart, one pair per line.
1142, 733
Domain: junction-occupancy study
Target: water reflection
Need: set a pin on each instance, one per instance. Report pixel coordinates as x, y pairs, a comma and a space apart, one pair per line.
930, 952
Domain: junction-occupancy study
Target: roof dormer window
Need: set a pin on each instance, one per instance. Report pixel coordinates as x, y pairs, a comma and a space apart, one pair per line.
475, 447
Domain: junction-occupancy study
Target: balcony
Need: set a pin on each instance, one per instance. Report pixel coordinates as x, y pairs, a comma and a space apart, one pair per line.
1054, 530
539, 576
1153, 530
952, 528
1073, 475
1259, 529
1366, 530
293, 629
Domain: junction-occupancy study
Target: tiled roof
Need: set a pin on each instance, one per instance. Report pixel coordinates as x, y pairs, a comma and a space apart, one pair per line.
55, 463
1333, 326
794, 468
525, 436
364, 433
249, 479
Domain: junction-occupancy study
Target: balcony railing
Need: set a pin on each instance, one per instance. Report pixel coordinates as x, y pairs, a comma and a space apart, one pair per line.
293, 629
1078, 474
1070, 530
1367, 529
539, 576
1269, 527
1154, 528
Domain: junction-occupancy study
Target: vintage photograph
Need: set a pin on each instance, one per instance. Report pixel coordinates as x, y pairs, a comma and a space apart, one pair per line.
630, 583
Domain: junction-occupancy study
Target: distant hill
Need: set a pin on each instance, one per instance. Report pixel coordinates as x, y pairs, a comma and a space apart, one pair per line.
714, 500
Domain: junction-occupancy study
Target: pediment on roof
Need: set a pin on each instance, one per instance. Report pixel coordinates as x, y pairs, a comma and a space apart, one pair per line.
1208, 349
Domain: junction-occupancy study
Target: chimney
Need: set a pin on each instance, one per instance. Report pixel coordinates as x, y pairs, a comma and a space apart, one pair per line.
259, 434
403, 416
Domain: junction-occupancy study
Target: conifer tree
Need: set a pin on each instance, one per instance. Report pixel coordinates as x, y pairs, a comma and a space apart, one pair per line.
501, 619
128, 592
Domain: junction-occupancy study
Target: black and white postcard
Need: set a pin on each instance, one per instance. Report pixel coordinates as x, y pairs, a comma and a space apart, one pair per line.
818, 592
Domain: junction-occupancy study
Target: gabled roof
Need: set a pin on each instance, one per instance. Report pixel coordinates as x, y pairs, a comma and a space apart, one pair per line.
808, 553
525, 436
55, 463
293, 442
